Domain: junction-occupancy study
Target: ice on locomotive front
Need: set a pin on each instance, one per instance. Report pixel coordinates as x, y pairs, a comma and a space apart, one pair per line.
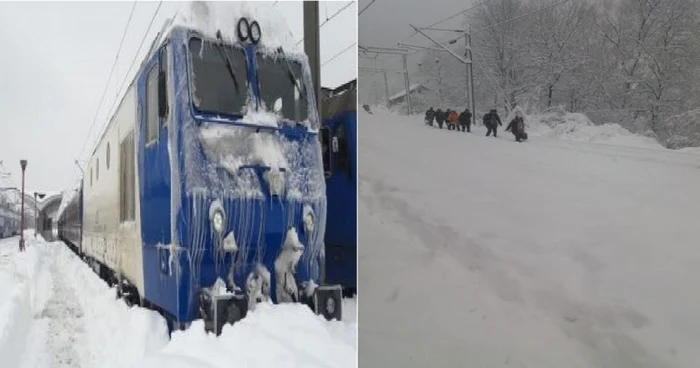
252, 197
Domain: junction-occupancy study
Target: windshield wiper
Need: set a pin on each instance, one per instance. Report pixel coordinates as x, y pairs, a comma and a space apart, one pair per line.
291, 76
224, 55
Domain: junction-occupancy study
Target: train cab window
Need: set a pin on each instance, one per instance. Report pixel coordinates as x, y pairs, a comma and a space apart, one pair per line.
152, 105
325, 137
215, 88
340, 148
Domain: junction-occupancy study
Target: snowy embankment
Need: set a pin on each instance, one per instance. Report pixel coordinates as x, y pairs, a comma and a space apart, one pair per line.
55, 312
578, 127
574, 127
484, 252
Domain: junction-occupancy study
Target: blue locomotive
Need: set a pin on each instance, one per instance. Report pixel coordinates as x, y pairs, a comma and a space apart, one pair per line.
340, 129
206, 194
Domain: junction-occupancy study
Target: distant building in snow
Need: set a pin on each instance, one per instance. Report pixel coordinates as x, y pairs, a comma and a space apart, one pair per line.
414, 89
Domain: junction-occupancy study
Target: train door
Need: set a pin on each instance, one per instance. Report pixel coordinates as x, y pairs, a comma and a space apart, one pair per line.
335, 147
153, 158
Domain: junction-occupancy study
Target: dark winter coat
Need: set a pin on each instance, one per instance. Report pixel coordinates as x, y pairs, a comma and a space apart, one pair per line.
516, 126
430, 115
465, 118
491, 119
440, 116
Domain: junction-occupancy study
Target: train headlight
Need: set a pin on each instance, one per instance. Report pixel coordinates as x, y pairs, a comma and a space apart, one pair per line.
330, 306
255, 32
217, 221
243, 29
309, 220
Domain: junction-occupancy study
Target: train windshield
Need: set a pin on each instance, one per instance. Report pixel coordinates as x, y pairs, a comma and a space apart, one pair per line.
216, 88
282, 87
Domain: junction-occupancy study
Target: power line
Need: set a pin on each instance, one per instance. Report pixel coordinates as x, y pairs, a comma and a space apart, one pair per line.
109, 79
446, 19
365, 8
336, 13
133, 61
339, 53
328, 19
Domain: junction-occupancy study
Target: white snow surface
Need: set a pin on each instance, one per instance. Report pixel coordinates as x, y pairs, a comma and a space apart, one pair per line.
55, 312
483, 252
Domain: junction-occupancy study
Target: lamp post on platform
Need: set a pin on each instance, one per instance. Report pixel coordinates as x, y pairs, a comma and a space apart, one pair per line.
22, 163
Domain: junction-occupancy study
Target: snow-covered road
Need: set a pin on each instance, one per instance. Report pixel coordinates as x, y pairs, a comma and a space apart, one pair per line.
482, 252
55, 312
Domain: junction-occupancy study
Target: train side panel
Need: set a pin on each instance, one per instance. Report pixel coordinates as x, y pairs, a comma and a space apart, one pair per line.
340, 117
110, 220
162, 274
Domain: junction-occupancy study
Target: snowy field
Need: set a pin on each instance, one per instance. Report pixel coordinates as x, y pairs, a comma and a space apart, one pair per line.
55, 312
483, 252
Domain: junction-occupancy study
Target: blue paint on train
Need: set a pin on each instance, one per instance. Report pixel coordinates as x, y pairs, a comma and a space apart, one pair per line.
341, 187
172, 283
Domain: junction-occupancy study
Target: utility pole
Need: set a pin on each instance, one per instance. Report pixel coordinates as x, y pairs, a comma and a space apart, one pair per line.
386, 88
408, 85
312, 48
386, 80
393, 51
467, 62
470, 76
23, 164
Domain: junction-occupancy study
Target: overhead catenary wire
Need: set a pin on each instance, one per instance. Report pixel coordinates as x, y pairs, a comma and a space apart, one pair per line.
339, 53
109, 79
328, 19
446, 19
365, 8
133, 61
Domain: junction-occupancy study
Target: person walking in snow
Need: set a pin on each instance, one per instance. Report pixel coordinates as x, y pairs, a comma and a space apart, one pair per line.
517, 127
440, 117
366, 107
452, 117
429, 116
465, 120
492, 121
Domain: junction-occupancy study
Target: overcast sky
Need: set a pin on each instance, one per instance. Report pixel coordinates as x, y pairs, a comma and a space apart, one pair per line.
55, 61
386, 22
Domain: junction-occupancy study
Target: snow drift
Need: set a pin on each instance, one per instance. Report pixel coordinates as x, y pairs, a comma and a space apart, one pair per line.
559, 124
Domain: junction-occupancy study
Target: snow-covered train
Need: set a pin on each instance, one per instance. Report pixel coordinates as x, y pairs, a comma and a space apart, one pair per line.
205, 194
340, 129
9, 222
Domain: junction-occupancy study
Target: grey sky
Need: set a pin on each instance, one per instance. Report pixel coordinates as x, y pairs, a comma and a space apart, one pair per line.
55, 60
386, 22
